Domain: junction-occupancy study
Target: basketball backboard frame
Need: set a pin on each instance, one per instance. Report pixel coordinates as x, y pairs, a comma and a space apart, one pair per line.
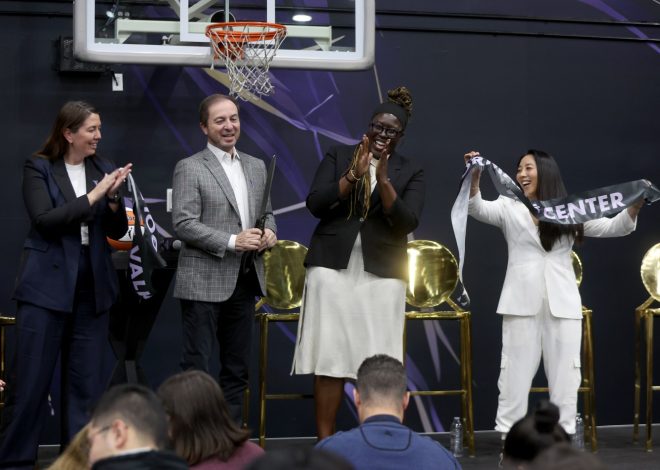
194, 48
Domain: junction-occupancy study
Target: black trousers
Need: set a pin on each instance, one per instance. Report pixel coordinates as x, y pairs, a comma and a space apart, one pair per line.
231, 324
79, 338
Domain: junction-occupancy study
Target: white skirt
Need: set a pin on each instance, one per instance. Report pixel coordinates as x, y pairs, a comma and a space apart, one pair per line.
348, 315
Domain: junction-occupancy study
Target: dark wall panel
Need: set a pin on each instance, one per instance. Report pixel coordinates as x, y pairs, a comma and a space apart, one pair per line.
592, 103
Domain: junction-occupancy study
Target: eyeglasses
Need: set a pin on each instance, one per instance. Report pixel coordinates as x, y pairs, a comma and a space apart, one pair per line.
380, 129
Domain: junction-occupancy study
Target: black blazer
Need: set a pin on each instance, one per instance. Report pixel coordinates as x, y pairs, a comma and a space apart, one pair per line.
384, 236
49, 265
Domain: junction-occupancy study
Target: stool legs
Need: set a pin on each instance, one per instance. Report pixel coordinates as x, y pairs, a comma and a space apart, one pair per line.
2, 365
589, 381
466, 381
649, 381
263, 352
638, 373
465, 357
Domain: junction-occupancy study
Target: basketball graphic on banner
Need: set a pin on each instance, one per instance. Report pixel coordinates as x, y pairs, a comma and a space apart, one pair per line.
125, 242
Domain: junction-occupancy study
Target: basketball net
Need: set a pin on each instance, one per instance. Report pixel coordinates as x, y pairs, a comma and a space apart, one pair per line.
247, 49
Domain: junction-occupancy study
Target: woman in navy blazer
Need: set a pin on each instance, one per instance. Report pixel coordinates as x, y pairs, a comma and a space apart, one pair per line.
368, 199
66, 281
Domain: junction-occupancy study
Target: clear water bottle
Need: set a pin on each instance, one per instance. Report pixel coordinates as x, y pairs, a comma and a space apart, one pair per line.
456, 437
578, 437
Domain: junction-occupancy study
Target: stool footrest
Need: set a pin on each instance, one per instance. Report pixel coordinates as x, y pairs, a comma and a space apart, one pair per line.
288, 396
436, 392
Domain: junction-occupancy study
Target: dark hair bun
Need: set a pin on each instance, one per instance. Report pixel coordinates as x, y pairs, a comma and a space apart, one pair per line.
546, 417
402, 97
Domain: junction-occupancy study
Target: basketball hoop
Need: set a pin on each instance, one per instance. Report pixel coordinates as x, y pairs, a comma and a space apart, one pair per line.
247, 48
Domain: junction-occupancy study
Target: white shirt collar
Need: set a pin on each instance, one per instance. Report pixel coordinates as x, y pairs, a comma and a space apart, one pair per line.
221, 154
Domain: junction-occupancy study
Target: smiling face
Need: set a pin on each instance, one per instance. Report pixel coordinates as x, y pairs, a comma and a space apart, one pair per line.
527, 176
223, 127
83, 141
384, 131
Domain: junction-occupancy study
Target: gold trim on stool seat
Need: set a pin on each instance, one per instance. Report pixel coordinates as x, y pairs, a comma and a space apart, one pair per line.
645, 313
285, 281
588, 384
432, 277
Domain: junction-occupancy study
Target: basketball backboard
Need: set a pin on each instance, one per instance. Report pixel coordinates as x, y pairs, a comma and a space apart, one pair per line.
339, 35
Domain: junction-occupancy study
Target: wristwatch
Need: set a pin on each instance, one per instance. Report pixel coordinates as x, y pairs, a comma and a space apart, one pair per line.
114, 198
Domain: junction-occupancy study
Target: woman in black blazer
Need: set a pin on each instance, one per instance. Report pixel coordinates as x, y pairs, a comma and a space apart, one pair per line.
368, 198
66, 282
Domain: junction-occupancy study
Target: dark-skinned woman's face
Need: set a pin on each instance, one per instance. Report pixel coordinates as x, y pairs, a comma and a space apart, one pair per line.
384, 131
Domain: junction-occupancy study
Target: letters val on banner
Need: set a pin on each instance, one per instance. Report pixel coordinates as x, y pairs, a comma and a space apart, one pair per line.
144, 254
574, 209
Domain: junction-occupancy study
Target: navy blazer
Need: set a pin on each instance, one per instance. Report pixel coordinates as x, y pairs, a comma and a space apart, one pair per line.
384, 236
49, 265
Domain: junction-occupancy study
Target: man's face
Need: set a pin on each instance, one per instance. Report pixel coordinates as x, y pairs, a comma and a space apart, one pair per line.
223, 127
101, 442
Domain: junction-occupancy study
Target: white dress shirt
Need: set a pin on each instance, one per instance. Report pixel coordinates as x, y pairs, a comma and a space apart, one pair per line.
79, 182
234, 171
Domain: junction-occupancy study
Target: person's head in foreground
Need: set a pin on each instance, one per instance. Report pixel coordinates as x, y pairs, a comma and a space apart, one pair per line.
200, 425
381, 387
532, 434
127, 417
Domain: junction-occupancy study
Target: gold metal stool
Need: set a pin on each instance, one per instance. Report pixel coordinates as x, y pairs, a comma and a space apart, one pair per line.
645, 313
5, 321
285, 280
432, 277
588, 385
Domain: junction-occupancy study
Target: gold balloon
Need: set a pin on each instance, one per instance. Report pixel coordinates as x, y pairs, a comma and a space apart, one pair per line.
285, 274
577, 267
651, 271
432, 274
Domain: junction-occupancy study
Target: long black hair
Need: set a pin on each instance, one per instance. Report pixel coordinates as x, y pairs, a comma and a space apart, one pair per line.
549, 186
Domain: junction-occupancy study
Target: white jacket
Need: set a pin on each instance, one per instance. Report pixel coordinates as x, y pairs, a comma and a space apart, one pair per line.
532, 272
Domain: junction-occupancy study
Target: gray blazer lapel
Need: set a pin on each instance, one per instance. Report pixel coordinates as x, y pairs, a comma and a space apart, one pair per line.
219, 174
62, 179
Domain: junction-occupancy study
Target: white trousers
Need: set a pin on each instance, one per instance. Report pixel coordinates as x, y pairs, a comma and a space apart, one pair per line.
524, 340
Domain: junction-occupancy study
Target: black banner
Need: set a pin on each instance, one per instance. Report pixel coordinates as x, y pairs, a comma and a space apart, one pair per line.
573, 209
144, 254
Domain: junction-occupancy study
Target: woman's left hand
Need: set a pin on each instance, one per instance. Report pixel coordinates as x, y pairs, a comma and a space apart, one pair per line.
121, 175
381, 167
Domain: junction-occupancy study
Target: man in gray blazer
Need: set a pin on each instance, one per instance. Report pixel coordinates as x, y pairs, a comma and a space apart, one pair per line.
216, 195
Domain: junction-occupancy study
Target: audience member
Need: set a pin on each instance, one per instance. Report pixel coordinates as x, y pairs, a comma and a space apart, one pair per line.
382, 441
201, 428
76, 454
566, 457
128, 430
299, 458
532, 434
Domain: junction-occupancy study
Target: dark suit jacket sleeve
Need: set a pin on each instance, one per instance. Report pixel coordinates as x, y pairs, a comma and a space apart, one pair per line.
323, 196
47, 218
404, 214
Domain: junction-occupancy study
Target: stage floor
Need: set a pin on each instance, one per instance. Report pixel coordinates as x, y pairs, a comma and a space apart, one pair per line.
615, 448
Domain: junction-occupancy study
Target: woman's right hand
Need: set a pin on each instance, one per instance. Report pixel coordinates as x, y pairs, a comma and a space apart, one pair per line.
364, 158
469, 155
476, 174
107, 183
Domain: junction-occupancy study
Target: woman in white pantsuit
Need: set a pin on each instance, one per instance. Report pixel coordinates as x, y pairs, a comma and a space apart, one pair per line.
540, 304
